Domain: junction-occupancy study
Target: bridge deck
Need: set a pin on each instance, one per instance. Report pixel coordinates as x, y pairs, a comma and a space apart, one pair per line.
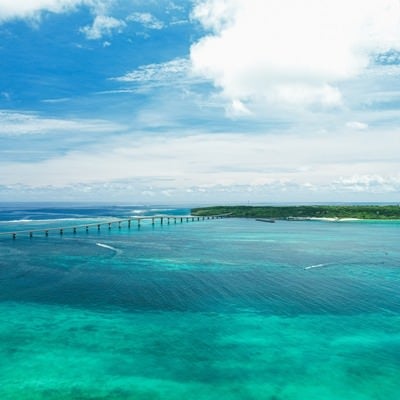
98, 225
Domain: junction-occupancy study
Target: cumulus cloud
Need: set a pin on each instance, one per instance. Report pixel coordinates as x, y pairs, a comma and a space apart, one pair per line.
291, 52
103, 26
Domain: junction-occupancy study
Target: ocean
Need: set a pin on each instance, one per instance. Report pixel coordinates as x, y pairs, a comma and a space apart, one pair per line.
216, 309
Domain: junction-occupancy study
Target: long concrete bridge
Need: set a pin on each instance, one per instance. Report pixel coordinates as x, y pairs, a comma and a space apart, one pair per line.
109, 224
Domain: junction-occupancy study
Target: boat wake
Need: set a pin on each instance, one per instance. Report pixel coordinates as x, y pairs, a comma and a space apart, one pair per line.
317, 266
106, 246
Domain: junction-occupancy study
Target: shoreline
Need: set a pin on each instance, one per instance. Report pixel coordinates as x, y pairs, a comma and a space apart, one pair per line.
310, 213
332, 219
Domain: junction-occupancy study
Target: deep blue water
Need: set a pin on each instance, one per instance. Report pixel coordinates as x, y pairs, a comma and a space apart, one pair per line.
227, 308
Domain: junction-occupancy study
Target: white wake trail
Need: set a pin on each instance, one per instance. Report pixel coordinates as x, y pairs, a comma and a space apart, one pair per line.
316, 266
106, 246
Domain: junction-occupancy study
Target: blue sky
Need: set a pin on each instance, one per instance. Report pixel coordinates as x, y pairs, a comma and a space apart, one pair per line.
204, 101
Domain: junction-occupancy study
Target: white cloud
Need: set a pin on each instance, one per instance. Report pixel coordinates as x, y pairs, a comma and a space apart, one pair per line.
103, 26
19, 123
55, 101
335, 166
357, 125
148, 20
10, 9
173, 70
368, 183
237, 109
310, 162
291, 52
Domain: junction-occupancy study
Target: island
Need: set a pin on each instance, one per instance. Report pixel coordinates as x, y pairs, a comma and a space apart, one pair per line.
303, 212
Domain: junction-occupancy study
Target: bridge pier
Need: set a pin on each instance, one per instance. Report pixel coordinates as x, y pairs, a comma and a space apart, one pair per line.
109, 226
98, 228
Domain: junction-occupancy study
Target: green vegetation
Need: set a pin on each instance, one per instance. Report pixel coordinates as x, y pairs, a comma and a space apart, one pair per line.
300, 212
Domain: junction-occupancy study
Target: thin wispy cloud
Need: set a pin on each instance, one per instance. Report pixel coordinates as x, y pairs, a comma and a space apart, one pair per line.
54, 101
159, 74
5, 95
147, 20
103, 26
23, 123
357, 125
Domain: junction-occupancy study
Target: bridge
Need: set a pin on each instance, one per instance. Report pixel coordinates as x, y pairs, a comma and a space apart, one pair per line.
109, 224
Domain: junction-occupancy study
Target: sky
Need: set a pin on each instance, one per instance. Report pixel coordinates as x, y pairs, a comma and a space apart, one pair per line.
200, 101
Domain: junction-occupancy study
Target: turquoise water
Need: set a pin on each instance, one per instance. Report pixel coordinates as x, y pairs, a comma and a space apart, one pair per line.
220, 309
